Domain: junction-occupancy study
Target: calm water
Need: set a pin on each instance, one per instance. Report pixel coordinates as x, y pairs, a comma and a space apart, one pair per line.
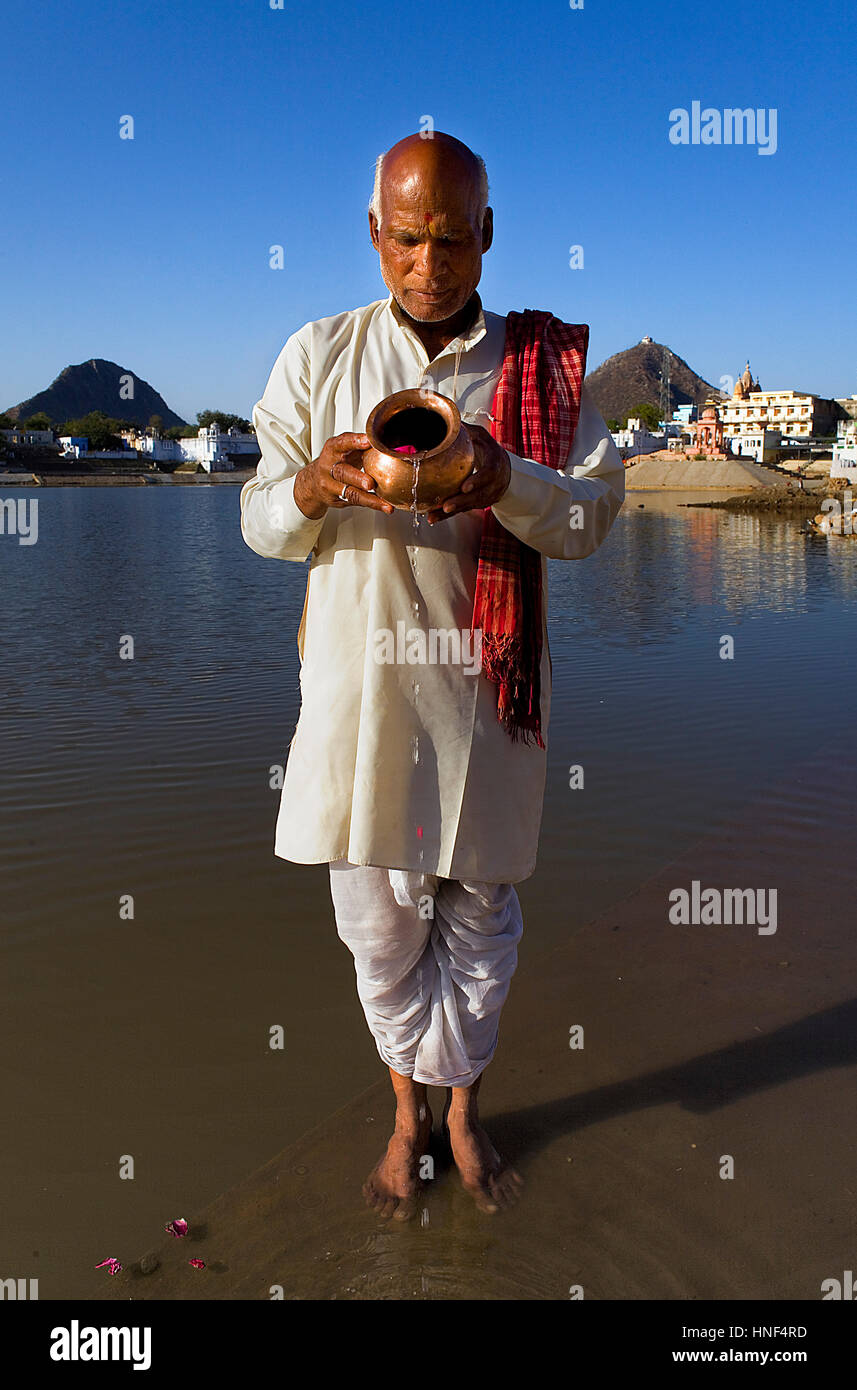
151, 778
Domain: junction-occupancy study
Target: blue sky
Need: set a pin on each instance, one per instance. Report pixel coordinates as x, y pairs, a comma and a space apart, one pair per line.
256, 126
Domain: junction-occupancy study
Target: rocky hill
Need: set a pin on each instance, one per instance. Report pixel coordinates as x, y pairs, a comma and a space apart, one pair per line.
96, 385
628, 378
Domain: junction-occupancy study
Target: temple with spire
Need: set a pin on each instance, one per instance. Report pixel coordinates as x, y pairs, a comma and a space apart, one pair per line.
745, 384
794, 414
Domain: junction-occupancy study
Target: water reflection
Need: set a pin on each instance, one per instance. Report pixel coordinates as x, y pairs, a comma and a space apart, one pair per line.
102, 755
665, 562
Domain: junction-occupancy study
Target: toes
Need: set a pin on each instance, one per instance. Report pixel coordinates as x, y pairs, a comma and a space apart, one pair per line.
509, 1180
485, 1201
507, 1184
494, 1192
481, 1194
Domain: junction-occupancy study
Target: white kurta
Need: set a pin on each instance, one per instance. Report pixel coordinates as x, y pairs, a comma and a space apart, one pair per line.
394, 764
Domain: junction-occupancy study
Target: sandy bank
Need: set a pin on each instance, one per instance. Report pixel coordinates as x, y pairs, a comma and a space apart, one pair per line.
783, 498
657, 471
125, 479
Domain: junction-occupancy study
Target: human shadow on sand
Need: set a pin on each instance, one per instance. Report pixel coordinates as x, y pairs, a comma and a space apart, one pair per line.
825, 1039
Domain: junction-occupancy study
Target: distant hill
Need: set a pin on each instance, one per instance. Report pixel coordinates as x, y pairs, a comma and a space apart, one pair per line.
96, 385
633, 376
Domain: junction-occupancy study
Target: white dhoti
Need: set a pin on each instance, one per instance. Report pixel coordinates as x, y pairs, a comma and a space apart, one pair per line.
434, 958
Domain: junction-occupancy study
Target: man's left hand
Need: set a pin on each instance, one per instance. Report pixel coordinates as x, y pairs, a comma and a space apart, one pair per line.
485, 483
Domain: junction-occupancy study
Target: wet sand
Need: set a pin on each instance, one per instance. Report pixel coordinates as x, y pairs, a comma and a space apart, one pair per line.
700, 1042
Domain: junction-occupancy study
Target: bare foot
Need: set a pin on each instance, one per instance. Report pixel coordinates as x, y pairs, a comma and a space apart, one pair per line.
490, 1180
394, 1185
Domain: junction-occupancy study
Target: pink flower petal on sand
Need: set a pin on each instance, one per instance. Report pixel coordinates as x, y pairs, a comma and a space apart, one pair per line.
113, 1264
197, 1264
176, 1228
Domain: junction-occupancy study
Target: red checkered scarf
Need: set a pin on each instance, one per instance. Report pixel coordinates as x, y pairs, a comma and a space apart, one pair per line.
535, 412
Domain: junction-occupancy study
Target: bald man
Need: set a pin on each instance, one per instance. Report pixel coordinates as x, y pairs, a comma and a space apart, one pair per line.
401, 775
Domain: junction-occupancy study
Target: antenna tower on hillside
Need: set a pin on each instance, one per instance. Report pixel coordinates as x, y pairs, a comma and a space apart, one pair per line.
665, 395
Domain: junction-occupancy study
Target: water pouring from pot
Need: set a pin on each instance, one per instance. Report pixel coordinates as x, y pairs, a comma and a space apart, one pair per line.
420, 451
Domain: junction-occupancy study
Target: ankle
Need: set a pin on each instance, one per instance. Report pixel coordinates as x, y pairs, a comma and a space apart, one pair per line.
412, 1121
465, 1115
462, 1105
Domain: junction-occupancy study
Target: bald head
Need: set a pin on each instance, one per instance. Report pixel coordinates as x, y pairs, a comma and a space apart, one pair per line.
430, 155
430, 223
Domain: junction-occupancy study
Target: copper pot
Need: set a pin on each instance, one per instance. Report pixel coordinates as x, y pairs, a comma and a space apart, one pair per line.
439, 449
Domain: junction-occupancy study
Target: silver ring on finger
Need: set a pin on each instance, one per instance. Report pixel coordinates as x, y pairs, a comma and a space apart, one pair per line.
342, 496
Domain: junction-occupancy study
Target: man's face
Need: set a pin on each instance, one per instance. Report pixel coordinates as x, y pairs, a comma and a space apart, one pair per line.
430, 242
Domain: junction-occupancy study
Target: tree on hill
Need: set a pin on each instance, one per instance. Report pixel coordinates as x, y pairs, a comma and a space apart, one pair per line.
225, 422
6, 423
648, 414
101, 430
39, 421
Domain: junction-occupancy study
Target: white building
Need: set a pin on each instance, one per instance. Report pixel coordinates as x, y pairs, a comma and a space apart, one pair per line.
157, 449
762, 444
210, 447
636, 439
33, 437
73, 447
844, 463
796, 414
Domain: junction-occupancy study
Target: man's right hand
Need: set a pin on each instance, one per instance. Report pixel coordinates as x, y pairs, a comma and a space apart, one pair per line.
321, 483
